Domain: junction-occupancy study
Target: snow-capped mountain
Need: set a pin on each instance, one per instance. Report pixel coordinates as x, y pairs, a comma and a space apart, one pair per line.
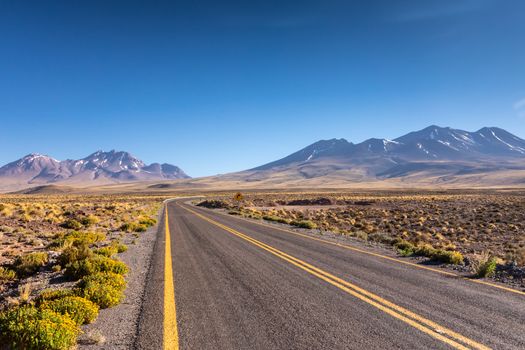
112, 166
431, 143
433, 149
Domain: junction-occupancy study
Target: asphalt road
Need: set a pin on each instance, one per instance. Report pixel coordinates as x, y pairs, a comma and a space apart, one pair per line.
228, 283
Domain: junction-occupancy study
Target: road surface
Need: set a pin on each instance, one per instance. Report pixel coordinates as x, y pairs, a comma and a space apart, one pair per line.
221, 282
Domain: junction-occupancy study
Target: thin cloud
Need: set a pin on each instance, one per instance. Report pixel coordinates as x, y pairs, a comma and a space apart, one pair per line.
520, 104
519, 107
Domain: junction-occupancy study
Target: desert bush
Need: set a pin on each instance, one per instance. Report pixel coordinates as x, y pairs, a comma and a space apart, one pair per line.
74, 253
96, 263
148, 222
71, 224
6, 274
89, 220
304, 224
214, 204
79, 238
484, 265
80, 310
448, 257
104, 289
133, 227
27, 265
121, 248
107, 278
52, 294
275, 219
425, 250
108, 251
24, 292
31, 328
404, 248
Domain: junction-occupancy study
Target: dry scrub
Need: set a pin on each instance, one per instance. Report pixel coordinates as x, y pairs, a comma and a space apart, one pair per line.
59, 263
451, 227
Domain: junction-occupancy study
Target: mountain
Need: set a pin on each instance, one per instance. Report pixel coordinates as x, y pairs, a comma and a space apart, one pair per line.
97, 168
442, 153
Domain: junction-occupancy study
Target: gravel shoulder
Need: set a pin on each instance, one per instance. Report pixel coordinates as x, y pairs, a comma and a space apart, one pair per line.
116, 327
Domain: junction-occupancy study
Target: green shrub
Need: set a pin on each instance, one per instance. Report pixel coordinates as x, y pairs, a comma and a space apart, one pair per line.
275, 219
108, 278
121, 248
85, 238
96, 263
425, 250
148, 222
80, 310
127, 227
29, 264
71, 224
486, 267
52, 294
104, 289
304, 224
6, 274
89, 220
108, 251
79, 238
74, 253
140, 228
133, 227
448, 257
404, 248
30, 328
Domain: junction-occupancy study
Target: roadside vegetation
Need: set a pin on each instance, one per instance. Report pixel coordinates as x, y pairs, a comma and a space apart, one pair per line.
59, 263
480, 231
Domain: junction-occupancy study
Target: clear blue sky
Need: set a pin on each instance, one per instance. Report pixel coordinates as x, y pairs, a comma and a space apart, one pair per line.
219, 86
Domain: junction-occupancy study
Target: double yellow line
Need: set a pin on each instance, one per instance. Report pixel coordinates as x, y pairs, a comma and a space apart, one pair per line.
396, 260
424, 325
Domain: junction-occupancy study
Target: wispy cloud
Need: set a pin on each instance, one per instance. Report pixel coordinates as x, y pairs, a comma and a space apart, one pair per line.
519, 107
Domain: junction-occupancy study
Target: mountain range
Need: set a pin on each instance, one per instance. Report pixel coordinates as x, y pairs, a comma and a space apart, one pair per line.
97, 169
434, 156
442, 154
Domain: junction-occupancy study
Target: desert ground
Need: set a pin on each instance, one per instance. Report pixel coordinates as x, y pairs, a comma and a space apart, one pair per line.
62, 251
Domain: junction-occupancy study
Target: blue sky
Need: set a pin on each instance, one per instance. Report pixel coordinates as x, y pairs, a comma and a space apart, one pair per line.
220, 86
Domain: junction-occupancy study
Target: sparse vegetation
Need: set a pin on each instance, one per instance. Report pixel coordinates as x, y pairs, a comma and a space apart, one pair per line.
75, 236
104, 289
444, 226
94, 264
304, 224
80, 310
6, 274
484, 265
29, 264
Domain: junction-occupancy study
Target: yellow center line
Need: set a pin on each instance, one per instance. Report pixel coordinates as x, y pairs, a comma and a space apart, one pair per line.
424, 325
345, 246
170, 334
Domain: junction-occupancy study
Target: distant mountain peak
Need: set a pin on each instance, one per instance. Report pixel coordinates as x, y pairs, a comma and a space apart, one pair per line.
114, 166
433, 143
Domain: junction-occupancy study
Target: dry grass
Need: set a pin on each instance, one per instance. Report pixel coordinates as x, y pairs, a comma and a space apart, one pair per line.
38, 232
469, 222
